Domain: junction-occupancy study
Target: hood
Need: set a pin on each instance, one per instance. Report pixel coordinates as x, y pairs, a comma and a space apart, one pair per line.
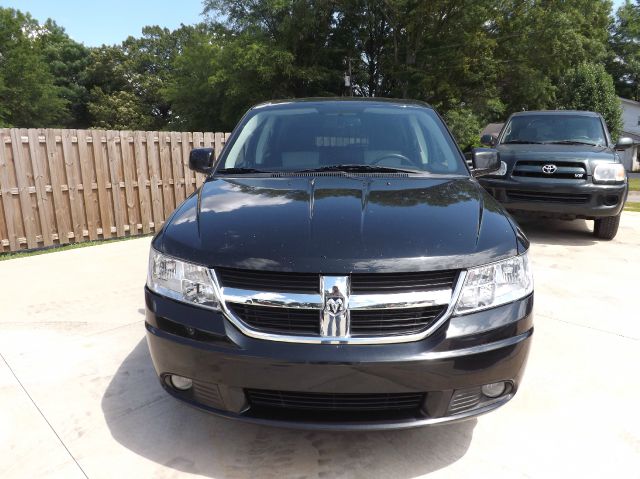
339, 224
582, 153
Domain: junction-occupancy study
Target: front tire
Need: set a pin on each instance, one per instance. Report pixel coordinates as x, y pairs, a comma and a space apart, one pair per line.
606, 228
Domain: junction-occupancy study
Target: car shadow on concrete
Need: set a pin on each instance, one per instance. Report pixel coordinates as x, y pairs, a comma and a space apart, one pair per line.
558, 232
147, 421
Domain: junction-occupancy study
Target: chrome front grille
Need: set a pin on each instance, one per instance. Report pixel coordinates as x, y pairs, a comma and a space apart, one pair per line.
358, 308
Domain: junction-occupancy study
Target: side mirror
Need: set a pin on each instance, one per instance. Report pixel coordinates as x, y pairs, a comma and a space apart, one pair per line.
201, 160
623, 143
488, 140
484, 161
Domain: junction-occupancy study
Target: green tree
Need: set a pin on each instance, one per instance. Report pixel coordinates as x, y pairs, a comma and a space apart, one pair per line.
624, 63
214, 82
28, 92
538, 41
465, 126
67, 61
589, 87
120, 110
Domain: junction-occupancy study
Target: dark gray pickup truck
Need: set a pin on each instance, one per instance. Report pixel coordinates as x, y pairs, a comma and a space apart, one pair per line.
560, 164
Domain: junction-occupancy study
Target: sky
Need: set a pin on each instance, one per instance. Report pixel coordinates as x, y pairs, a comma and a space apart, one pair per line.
112, 21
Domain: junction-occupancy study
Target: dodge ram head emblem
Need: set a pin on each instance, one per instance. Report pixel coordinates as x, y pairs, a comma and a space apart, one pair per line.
334, 322
549, 169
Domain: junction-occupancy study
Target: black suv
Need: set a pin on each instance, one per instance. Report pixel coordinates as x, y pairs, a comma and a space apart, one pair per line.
340, 268
560, 164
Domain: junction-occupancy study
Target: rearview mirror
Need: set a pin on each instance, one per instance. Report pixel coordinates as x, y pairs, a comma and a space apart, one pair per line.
484, 161
488, 140
201, 160
623, 143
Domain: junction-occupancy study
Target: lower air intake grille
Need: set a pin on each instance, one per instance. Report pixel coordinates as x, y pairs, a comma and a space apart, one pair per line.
547, 197
465, 400
334, 402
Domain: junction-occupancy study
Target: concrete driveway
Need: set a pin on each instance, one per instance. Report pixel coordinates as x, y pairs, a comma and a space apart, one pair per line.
78, 395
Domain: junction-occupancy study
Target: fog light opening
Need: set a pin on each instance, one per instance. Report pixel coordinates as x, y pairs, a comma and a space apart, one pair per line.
494, 390
180, 382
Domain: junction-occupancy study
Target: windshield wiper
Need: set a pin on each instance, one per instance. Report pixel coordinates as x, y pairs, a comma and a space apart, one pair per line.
360, 169
521, 142
239, 170
571, 142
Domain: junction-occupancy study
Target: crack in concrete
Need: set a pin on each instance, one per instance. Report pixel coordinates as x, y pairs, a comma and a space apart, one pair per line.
43, 416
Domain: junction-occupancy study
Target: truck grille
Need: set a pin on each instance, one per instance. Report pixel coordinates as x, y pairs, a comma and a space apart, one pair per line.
334, 402
540, 196
567, 170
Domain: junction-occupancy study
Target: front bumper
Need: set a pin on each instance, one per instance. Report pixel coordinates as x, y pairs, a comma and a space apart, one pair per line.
448, 367
557, 198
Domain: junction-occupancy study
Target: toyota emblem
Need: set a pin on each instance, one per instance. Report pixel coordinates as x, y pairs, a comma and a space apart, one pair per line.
549, 169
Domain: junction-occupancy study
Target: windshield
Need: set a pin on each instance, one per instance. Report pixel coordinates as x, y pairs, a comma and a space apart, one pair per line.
342, 135
568, 129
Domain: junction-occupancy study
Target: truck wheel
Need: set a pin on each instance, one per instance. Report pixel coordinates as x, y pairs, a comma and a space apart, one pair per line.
606, 228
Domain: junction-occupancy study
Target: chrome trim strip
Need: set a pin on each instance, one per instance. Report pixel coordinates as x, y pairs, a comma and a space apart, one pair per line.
276, 300
417, 299
245, 329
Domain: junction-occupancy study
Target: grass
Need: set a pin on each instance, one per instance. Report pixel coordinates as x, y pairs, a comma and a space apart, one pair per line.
634, 184
55, 249
632, 207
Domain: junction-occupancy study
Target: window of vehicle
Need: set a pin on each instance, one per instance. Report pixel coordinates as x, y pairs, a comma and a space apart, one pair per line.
298, 137
559, 129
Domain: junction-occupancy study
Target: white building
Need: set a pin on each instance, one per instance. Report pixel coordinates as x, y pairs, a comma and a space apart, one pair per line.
631, 128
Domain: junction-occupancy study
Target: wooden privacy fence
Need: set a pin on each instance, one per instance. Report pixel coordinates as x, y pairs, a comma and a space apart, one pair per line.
60, 186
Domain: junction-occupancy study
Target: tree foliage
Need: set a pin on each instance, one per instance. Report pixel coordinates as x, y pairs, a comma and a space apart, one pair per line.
589, 87
28, 92
624, 41
474, 60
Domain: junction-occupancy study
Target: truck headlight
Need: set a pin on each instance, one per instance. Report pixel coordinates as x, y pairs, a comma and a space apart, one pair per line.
182, 281
495, 284
609, 173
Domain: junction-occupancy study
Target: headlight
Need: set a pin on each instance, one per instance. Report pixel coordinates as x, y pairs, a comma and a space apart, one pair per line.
609, 173
495, 284
182, 281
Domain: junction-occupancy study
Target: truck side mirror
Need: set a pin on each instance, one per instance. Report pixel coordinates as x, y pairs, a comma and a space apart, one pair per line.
201, 160
488, 140
484, 161
623, 143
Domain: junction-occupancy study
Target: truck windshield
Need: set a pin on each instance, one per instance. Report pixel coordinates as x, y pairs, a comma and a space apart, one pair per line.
354, 136
555, 129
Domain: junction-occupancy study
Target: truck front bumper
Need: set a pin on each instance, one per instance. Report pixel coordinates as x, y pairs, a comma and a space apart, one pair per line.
305, 385
558, 198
